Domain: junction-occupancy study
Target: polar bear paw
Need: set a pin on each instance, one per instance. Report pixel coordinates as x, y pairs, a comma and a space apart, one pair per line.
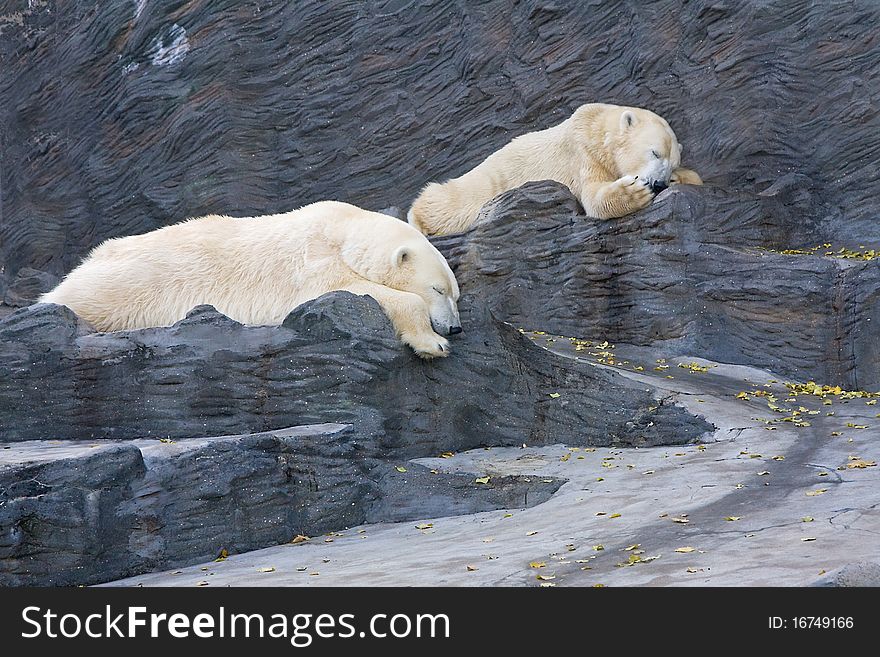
636, 193
428, 345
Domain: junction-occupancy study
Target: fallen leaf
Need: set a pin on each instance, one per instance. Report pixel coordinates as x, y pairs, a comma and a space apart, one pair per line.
808, 538
685, 549
635, 546
763, 472
599, 547
807, 519
818, 491
856, 462
299, 538
425, 525
531, 533
648, 472
224, 554
447, 455
267, 569
554, 395
400, 468
537, 564
732, 518
482, 480
471, 569
614, 515
545, 578
202, 583
681, 520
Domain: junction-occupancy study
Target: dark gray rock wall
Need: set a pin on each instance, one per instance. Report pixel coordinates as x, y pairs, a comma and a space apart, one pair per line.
688, 276
334, 359
117, 120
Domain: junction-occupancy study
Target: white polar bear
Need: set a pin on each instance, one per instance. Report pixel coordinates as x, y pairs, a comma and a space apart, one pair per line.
257, 269
614, 159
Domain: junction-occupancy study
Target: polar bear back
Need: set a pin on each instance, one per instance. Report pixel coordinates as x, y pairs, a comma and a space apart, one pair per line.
253, 269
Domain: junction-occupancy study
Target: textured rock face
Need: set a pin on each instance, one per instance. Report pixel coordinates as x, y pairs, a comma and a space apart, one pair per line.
123, 117
73, 510
688, 275
335, 359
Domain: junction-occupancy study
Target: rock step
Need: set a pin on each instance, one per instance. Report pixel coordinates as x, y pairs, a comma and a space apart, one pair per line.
689, 274
87, 512
335, 359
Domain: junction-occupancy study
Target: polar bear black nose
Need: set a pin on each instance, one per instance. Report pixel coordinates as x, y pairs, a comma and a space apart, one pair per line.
658, 186
454, 330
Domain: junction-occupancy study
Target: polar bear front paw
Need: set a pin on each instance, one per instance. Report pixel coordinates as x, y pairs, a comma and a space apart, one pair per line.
635, 192
428, 345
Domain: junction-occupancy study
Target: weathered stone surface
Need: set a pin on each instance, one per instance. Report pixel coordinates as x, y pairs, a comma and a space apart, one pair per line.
70, 514
688, 275
335, 359
122, 117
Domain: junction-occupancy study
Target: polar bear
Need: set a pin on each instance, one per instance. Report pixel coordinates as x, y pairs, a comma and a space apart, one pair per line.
614, 159
257, 269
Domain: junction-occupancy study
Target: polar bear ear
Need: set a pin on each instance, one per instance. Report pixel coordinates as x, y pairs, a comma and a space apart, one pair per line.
627, 120
401, 255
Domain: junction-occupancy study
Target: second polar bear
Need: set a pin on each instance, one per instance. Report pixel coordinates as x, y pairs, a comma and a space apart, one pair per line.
257, 269
614, 159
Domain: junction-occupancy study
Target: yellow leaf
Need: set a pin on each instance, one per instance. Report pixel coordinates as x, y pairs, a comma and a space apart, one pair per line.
482, 480
733, 518
614, 515
742, 395
537, 564
545, 578
807, 519
856, 462
779, 458
447, 455
425, 525
554, 395
565, 457
635, 546
685, 549
818, 491
599, 547
267, 569
223, 555
299, 538
400, 468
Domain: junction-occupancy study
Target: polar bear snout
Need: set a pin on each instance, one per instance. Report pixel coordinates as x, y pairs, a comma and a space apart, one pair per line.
454, 330
658, 186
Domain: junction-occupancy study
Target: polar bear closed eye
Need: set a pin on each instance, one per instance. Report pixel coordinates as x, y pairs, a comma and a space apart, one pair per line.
614, 159
257, 269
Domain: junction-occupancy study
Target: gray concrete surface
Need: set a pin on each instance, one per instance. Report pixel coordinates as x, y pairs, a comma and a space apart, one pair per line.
676, 504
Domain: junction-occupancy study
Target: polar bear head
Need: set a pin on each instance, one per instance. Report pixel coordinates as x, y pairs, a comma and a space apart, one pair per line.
418, 267
643, 145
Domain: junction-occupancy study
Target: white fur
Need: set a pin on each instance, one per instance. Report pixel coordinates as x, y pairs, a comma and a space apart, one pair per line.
603, 153
257, 269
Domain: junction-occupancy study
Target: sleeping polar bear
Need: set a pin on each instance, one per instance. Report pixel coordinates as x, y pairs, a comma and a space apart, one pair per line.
614, 159
257, 269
